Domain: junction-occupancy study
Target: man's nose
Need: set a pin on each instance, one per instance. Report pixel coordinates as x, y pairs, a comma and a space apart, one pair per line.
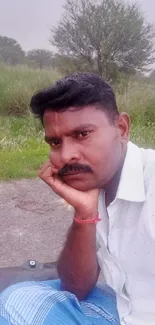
69, 153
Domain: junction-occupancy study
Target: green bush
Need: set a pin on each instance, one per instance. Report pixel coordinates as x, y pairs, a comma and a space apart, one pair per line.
138, 100
18, 84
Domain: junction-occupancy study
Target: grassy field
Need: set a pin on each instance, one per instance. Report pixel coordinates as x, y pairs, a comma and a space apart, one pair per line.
22, 147
18, 84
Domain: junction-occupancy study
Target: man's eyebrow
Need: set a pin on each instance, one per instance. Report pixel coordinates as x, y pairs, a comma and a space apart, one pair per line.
77, 129
82, 127
50, 139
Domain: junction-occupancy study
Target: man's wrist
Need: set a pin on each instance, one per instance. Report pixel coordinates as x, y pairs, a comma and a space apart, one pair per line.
86, 215
94, 220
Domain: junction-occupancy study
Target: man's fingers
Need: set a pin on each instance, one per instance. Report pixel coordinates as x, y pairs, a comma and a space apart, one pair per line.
44, 166
47, 173
65, 191
79, 200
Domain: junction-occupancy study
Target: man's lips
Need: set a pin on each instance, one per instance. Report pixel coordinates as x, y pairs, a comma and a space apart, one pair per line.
72, 173
69, 174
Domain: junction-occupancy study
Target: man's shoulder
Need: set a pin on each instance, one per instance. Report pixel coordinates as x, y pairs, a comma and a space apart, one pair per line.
148, 157
148, 161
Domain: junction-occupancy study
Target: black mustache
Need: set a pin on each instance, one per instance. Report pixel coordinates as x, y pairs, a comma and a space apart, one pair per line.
67, 169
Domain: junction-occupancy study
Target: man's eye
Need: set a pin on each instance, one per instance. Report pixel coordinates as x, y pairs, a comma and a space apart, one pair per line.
55, 143
83, 134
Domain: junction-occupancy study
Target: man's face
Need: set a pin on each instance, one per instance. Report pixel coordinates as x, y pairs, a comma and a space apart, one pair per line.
87, 148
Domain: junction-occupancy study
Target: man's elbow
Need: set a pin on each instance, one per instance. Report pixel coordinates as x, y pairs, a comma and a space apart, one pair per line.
81, 292
82, 288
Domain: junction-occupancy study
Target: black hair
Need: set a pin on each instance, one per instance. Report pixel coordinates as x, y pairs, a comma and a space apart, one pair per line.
77, 90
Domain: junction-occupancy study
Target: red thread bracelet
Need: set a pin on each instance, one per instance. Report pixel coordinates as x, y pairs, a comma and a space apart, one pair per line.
87, 221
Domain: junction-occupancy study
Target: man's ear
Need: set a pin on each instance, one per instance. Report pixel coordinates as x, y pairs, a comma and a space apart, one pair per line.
123, 125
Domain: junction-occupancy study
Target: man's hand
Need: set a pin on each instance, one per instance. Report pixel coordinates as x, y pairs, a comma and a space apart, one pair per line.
84, 203
80, 273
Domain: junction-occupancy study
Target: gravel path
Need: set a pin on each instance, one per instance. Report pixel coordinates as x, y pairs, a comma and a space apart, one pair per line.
34, 221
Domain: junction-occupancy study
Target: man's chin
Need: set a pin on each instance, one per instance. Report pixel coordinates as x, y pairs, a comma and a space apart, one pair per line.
79, 185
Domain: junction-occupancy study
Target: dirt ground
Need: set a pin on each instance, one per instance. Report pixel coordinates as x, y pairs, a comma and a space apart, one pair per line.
34, 222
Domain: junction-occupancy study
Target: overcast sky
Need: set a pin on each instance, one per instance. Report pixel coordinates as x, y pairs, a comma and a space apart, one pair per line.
29, 21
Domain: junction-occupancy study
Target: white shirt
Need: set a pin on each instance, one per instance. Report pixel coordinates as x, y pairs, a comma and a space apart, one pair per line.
126, 239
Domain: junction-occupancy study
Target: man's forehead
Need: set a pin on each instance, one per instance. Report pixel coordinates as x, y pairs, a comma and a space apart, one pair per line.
65, 123
73, 117
72, 111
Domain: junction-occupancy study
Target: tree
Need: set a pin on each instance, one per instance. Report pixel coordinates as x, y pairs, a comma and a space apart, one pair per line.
106, 35
42, 58
66, 65
10, 51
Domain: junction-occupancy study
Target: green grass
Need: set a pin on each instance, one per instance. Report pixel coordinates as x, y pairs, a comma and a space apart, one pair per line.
18, 84
144, 136
21, 164
138, 100
22, 146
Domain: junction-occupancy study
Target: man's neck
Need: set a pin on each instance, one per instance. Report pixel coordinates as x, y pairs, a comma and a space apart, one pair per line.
111, 187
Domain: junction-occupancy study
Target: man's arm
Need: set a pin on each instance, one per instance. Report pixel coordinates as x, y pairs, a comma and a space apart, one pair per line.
78, 267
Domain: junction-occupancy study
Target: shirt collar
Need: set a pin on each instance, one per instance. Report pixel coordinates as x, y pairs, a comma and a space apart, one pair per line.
131, 185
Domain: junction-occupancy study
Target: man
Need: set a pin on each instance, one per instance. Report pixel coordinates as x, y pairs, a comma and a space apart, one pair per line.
110, 183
